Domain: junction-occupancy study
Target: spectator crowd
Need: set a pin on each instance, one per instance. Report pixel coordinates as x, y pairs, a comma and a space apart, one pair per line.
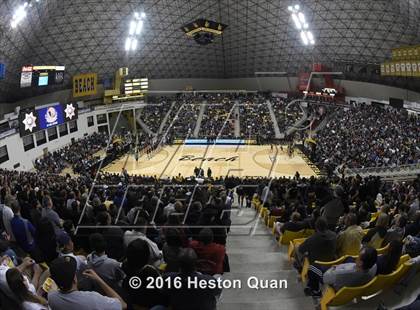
369, 136
174, 228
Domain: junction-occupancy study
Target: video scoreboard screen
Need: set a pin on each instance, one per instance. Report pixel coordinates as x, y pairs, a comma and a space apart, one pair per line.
38, 76
2, 71
134, 87
33, 120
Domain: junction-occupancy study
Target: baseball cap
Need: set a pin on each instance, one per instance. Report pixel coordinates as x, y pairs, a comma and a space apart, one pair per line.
63, 270
63, 239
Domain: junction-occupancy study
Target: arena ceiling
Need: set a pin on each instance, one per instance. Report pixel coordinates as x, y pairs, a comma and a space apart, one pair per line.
353, 36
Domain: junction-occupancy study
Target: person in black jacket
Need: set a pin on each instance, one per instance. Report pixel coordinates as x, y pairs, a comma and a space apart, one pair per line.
320, 246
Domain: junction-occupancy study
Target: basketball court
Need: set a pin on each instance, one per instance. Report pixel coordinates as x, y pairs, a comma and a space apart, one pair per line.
241, 161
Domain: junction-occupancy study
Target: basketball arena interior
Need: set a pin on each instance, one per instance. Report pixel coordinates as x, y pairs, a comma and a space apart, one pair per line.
202, 155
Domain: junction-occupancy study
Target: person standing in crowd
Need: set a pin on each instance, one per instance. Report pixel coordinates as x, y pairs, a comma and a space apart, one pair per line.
6, 215
107, 268
24, 232
187, 298
63, 272
50, 214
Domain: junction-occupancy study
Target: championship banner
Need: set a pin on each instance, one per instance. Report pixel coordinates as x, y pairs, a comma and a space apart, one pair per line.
383, 73
402, 68
387, 68
404, 53
392, 69
408, 69
394, 53
85, 84
414, 69
410, 53
397, 71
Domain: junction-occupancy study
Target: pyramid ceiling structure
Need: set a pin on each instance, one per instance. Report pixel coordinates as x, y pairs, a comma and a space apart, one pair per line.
352, 36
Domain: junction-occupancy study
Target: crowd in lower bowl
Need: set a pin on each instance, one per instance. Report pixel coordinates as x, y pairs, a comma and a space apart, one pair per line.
142, 227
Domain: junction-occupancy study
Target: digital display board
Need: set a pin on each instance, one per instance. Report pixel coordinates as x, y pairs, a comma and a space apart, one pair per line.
136, 86
41, 76
43, 79
33, 120
2, 71
50, 116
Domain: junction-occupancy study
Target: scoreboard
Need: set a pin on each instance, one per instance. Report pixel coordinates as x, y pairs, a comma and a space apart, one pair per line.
32, 120
38, 76
134, 87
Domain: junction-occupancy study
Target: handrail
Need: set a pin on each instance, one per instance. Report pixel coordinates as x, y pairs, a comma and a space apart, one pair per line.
401, 170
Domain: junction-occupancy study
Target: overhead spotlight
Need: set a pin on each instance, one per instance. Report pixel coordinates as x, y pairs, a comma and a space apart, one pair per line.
139, 26
304, 38
133, 44
297, 22
133, 26
310, 35
302, 18
134, 29
128, 44
19, 15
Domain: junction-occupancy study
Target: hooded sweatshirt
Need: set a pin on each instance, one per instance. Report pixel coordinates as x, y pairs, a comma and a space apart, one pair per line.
107, 268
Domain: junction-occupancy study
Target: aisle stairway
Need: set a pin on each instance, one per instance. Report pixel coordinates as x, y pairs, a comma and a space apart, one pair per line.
259, 255
236, 112
165, 119
277, 132
203, 108
253, 251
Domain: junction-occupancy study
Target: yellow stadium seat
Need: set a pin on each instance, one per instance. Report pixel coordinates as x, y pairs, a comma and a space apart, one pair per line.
305, 269
333, 262
292, 247
309, 232
288, 236
377, 284
306, 264
263, 212
342, 297
266, 217
383, 250
273, 229
272, 220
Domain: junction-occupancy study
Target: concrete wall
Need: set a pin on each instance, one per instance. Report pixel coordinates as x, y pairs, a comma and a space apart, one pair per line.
261, 83
353, 88
377, 91
17, 153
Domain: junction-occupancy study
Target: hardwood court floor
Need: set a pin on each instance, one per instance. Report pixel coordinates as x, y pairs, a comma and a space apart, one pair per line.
245, 160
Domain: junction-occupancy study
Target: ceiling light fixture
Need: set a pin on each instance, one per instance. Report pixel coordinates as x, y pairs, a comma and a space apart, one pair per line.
134, 29
20, 13
299, 20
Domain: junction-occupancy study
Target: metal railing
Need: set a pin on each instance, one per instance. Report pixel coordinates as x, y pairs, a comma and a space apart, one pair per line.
397, 171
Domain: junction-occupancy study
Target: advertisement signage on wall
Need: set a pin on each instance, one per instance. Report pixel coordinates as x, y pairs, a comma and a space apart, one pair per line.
85, 85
